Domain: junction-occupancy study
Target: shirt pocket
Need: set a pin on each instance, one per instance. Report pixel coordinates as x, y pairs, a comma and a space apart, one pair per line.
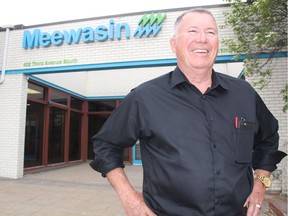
244, 144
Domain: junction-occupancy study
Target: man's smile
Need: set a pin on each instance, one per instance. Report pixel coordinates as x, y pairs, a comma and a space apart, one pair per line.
200, 51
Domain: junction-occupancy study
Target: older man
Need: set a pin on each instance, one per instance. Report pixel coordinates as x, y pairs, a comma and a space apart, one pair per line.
201, 135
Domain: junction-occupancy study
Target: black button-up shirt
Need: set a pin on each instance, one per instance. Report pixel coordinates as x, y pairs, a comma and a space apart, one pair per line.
197, 159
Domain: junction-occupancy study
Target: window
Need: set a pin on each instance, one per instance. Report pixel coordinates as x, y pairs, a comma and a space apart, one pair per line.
56, 136
59, 97
76, 103
104, 105
75, 136
34, 135
35, 91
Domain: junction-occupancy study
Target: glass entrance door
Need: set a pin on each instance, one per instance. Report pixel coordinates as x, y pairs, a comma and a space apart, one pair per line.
33, 155
56, 136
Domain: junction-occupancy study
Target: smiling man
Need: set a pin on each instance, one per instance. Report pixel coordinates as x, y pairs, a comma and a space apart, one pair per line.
195, 43
200, 138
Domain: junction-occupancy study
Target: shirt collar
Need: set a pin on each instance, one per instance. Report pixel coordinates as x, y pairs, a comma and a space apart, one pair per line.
217, 80
178, 77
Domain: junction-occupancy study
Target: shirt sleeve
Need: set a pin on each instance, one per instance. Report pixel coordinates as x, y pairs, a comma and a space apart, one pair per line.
266, 155
121, 130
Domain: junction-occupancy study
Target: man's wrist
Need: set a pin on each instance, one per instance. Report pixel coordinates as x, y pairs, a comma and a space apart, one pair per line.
264, 180
263, 177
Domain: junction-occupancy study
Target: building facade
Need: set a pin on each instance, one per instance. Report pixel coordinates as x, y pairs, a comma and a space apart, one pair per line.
61, 81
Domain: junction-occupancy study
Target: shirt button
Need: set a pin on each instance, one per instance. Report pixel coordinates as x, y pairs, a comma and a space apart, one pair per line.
218, 171
218, 200
203, 97
211, 119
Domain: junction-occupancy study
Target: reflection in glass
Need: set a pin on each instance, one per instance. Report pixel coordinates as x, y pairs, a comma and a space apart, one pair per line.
75, 136
59, 97
34, 135
56, 136
76, 103
35, 91
104, 105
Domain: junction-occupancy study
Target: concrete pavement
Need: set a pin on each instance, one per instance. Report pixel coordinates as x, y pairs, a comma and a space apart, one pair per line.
78, 190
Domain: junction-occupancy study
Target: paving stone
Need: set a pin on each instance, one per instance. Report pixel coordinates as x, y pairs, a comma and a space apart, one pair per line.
79, 191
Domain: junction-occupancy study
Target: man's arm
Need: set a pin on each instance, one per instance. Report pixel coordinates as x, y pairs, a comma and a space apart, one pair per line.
255, 199
132, 200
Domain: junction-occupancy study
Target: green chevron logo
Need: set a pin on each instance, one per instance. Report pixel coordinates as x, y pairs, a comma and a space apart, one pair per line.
151, 24
152, 19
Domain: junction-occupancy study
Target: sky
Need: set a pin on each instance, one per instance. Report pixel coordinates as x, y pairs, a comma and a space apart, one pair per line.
34, 12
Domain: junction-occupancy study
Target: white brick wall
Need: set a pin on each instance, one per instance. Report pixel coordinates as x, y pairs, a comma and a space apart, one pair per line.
13, 96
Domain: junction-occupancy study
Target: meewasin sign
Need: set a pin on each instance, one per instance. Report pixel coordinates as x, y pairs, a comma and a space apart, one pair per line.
147, 25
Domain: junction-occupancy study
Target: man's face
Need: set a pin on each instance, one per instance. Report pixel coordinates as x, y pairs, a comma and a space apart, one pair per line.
196, 42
